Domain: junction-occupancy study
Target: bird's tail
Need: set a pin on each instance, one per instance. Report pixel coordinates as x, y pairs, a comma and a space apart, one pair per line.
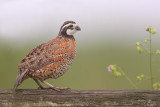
19, 79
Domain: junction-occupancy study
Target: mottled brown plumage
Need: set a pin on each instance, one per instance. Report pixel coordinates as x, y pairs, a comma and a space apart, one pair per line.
50, 59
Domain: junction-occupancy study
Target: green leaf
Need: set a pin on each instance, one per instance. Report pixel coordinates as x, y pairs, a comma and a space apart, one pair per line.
139, 49
113, 67
138, 43
118, 74
153, 31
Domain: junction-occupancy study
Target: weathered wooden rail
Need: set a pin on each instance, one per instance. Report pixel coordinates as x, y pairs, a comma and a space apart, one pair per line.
31, 97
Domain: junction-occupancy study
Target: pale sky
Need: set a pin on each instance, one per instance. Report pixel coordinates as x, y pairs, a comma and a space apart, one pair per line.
22, 20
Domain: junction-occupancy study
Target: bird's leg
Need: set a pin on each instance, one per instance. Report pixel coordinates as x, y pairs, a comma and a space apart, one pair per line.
40, 86
49, 85
52, 87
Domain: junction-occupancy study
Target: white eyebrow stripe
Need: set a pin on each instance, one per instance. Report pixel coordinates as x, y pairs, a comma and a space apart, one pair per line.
67, 25
74, 24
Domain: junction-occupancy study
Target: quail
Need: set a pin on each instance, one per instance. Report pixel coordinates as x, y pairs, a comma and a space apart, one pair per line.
51, 59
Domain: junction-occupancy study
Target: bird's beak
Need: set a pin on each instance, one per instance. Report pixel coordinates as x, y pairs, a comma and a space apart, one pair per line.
78, 28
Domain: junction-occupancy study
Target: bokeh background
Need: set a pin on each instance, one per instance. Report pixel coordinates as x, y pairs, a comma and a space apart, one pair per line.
110, 30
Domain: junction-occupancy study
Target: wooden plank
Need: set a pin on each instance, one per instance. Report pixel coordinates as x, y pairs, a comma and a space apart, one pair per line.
48, 97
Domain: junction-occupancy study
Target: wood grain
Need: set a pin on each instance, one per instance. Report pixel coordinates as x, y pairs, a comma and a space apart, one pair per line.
48, 97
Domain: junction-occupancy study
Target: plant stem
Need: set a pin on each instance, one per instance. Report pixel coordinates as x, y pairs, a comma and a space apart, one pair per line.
150, 54
129, 80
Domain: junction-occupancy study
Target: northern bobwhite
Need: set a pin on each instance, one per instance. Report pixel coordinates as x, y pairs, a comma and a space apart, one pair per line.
50, 59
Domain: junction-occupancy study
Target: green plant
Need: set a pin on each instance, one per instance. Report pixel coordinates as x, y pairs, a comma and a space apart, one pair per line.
118, 72
140, 46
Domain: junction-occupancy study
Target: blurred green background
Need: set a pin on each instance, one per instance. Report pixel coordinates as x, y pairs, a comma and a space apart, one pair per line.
110, 30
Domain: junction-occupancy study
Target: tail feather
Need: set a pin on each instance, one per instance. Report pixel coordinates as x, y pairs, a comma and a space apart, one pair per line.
19, 79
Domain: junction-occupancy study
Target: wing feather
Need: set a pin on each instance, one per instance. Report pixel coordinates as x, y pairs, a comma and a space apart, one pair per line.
40, 56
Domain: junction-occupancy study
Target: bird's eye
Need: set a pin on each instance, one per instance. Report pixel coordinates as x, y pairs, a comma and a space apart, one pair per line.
70, 26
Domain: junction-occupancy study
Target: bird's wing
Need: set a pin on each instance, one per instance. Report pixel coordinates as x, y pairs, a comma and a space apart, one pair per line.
42, 55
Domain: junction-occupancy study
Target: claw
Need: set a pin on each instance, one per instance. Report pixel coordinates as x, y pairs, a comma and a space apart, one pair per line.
59, 89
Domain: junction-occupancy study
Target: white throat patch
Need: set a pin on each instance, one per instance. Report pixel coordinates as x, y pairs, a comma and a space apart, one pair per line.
70, 31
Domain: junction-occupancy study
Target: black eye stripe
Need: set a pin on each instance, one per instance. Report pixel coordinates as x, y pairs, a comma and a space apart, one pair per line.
70, 26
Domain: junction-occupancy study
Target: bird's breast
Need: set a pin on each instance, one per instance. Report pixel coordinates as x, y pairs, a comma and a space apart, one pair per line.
63, 58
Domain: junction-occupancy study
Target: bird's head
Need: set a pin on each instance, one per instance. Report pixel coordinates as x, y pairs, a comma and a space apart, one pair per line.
69, 28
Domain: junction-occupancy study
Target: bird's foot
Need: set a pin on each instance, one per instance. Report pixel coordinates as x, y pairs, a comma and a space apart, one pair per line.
53, 87
56, 88
59, 89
